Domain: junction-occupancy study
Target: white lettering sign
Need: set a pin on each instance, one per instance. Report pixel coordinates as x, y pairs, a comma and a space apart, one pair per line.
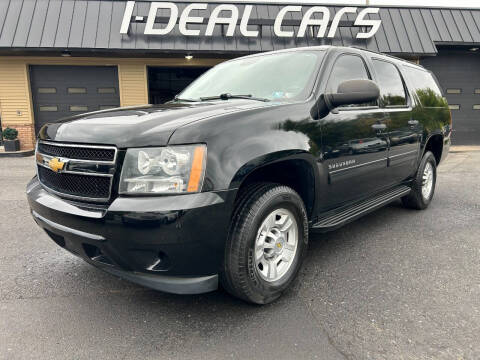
186, 18
360, 21
244, 23
215, 19
152, 14
337, 18
277, 26
227, 16
308, 21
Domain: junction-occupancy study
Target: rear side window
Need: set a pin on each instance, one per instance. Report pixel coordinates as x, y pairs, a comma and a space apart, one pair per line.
347, 67
391, 84
425, 87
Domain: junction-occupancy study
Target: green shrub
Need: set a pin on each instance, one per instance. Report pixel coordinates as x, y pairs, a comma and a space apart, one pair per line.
10, 134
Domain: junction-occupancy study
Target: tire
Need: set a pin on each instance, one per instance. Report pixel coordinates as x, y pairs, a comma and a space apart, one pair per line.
417, 199
246, 274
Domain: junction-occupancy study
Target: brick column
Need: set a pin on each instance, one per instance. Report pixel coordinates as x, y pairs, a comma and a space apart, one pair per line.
26, 135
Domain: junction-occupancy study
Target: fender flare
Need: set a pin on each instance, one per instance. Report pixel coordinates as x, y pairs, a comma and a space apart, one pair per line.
247, 169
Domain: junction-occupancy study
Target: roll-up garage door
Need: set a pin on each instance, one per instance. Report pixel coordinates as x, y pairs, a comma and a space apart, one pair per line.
459, 76
62, 91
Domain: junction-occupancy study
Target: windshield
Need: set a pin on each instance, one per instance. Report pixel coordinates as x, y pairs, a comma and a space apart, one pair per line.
282, 76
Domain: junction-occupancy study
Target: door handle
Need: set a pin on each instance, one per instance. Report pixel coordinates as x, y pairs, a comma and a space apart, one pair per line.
379, 127
412, 122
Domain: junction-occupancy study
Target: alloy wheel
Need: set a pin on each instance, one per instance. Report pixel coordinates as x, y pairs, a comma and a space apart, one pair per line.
276, 245
427, 181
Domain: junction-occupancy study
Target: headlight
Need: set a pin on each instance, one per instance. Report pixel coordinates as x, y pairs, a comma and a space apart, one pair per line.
165, 170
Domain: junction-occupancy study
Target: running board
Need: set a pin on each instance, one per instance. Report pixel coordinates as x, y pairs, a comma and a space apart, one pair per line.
345, 215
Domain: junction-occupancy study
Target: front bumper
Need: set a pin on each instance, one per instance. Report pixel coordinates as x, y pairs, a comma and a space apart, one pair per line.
170, 243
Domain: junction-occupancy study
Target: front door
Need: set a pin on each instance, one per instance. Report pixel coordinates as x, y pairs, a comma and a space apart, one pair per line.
403, 129
354, 141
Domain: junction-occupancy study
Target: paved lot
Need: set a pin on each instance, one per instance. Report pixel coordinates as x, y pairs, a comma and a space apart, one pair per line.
397, 284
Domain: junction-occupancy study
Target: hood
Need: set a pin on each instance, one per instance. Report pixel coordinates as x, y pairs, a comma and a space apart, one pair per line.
149, 125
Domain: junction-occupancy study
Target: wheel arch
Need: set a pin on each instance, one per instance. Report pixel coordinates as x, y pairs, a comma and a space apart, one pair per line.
434, 143
295, 169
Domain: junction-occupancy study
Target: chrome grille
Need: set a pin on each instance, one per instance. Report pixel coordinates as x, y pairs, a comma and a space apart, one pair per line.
82, 172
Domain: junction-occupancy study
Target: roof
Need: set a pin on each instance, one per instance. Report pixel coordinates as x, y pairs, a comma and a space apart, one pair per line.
95, 24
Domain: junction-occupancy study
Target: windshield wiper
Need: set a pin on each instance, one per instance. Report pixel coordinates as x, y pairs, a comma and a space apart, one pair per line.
176, 98
230, 96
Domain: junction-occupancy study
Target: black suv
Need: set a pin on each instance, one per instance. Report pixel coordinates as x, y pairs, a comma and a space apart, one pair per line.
224, 182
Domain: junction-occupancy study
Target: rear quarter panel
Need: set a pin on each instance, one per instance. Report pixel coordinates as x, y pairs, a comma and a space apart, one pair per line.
431, 109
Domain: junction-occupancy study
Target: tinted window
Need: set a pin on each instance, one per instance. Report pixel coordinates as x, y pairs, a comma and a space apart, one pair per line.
77, 90
78, 108
391, 84
48, 108
106, 90
454, 91
347, 67
47, 90
425, 86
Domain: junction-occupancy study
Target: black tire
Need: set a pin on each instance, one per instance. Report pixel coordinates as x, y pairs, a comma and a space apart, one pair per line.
415, 200
240, 275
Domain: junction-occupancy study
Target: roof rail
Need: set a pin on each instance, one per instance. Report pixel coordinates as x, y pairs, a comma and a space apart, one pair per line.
387, 55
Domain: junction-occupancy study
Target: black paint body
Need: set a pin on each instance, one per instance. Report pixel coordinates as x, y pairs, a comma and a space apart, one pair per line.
341, 158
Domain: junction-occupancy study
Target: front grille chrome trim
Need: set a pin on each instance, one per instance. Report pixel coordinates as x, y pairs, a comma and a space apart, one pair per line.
73, 172
104, 147
73, 161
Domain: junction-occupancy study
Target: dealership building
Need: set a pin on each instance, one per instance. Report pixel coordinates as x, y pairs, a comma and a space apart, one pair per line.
65, 57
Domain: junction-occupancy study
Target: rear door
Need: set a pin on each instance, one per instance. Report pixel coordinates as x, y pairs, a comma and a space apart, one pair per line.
404, 130
62, 91
354, 140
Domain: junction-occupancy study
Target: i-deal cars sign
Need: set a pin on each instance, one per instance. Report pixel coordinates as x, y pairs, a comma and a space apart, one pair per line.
228, 15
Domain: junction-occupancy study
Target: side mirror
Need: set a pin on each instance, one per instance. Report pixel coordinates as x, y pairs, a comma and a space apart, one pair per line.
348, 92
354, 92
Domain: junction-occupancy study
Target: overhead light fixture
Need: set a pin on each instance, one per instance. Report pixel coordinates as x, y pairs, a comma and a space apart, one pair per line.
473, 49
188, 57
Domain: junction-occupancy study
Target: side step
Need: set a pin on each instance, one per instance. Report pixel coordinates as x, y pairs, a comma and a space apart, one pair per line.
344, 215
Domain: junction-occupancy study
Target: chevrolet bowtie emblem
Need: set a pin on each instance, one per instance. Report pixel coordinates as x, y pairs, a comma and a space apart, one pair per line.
56, 165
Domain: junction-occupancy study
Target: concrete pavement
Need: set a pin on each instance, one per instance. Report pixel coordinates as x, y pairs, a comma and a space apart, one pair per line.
397, 284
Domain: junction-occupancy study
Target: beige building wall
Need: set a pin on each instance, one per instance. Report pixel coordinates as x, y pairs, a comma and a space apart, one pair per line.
15, 99
133, 84
16, 109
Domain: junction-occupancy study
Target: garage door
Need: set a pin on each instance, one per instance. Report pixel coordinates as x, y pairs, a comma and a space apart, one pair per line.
459, 76
62, 91
166, 82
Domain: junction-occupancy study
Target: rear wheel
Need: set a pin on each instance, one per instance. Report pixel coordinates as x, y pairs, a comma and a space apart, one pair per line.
266, 244
423, 186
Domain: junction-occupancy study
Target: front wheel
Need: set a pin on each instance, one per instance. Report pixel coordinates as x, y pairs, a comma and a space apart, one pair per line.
267, 242
423, 186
